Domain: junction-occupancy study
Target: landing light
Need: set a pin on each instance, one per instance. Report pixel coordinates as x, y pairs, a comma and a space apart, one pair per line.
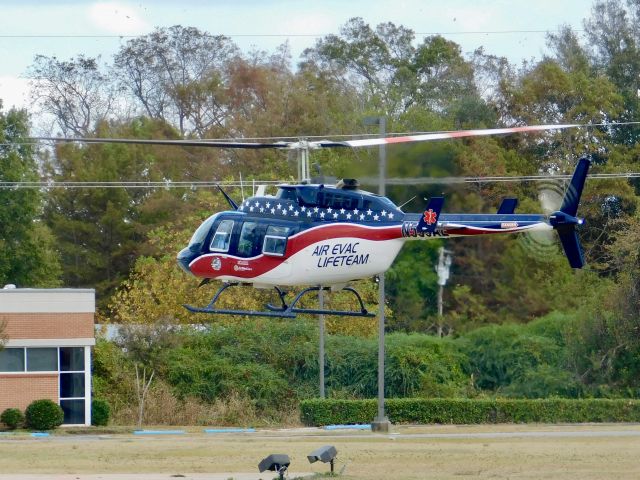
276, 462
326, 454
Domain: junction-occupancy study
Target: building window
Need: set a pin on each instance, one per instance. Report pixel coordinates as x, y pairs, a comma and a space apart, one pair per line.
66, 362
42, 359
73, 411
12, 360
71, 359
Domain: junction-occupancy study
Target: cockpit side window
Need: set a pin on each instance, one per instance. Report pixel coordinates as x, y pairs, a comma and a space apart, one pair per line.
201, 233
249, 240
275, 241
222, 237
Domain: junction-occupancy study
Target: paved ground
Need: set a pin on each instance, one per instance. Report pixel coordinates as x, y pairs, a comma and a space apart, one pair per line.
147, 476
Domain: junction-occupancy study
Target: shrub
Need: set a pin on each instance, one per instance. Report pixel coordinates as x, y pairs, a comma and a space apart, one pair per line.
469, 411
12, 418
43, 415
100, 412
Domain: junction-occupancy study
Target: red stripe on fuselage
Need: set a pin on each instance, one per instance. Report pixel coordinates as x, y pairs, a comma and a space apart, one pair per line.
253, 267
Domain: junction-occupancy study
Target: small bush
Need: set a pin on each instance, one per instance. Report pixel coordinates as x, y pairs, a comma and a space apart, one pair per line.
100, 412
12, 418
43, 415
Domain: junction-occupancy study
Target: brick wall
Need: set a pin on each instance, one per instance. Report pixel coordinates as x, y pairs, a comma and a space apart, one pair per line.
19, 390
47, 325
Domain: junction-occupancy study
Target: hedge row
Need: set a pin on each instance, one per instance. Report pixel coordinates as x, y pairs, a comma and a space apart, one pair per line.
319, 412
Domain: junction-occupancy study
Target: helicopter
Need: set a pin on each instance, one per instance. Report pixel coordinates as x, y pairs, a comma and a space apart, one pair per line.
320, 237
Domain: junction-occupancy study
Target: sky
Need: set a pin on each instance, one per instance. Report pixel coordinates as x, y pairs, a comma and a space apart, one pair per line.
65, 28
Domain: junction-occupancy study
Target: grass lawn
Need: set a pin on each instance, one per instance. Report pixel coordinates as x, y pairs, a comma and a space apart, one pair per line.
405, 454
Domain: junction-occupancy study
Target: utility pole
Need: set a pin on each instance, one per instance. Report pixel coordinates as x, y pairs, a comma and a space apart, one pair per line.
381, 422
321, 349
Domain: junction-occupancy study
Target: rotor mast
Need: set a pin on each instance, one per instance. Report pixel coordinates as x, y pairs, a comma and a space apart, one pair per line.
302, 148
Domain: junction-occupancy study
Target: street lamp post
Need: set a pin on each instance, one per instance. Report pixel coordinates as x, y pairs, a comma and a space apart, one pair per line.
381, 422
442, 269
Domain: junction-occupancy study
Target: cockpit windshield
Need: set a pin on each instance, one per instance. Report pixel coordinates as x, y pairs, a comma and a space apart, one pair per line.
201, 233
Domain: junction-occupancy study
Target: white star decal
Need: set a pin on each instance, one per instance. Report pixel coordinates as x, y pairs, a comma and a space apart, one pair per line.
273, 210
348, 216
296, 213
251, 209
342, 210
376, 217
361, 216
384, 213
329, 210
261, 209
247, 203
268, 205
390, 215
303, 209
257, 204
290, 207
321, 214
284, 211
355, 212
315, 209
309, 213
335, 215
369, 212
279, 206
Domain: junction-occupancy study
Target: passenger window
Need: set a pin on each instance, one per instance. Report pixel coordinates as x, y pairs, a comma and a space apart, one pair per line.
222, 237
248, 239
275, 241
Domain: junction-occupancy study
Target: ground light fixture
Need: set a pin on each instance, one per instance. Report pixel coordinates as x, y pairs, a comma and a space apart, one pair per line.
326, 454
276, 462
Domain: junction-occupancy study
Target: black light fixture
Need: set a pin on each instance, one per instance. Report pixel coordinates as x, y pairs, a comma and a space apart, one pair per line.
276, 462
326, 454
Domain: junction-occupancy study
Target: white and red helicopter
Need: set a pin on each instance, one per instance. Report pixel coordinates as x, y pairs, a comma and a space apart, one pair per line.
324, 237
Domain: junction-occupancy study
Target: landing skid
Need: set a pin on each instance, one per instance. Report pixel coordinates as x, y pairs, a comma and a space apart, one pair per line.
283, 310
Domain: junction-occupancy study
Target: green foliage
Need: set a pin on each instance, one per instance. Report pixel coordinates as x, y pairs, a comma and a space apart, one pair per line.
498, 355
100, 412
27, 253
12, 418
318, 412
43, 415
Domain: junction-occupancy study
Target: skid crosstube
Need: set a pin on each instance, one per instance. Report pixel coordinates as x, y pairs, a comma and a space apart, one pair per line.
284, 310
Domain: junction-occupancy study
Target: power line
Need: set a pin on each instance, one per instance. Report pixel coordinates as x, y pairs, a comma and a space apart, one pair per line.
279, 35
365, 181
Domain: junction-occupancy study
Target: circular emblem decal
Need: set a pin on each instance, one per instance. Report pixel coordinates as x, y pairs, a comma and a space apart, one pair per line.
216, 264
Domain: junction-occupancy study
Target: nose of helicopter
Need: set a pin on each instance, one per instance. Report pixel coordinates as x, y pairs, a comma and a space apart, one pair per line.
184, 258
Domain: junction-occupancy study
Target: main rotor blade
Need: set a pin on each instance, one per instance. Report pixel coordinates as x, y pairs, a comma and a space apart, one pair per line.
179, 143
313, 144
426, 137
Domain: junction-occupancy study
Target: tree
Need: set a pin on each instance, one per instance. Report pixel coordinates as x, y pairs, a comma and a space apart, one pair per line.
27, 253
177, 74
392, 74
75, 92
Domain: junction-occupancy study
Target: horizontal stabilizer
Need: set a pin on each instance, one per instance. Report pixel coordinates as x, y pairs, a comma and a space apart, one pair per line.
429, 219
